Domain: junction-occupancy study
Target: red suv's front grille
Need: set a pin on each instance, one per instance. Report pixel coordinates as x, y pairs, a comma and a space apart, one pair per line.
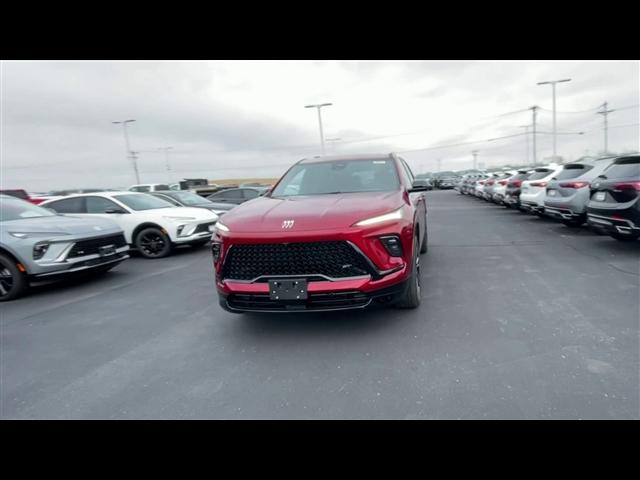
333, 259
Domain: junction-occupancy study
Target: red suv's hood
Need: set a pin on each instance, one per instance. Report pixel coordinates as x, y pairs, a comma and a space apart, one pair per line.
311, 212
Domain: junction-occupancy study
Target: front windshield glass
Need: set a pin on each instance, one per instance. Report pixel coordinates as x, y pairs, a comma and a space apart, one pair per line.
16, 209
339, 176
188, 198
142, 202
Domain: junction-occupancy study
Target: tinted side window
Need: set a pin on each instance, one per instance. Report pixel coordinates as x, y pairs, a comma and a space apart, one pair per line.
100, 205
68, 205
537, 175
167, 198
249, 194
572, 171
232, 194
140, 189
627, 168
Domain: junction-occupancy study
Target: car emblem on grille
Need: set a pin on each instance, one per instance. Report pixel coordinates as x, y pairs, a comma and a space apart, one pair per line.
288, 223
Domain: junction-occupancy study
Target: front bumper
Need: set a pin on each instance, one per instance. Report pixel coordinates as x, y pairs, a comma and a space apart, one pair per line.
322, 297
195, 238
77, 264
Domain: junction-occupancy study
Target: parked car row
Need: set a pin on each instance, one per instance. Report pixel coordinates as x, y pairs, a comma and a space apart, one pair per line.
602, 192
91, 232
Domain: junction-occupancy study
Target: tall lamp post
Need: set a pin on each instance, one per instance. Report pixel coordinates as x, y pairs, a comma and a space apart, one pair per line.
553, 88
166, 159
318, 107
130, 153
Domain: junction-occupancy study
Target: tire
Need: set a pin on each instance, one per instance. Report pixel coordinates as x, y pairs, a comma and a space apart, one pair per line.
13, 282
153, 243
625, 238
410, 298
424, 247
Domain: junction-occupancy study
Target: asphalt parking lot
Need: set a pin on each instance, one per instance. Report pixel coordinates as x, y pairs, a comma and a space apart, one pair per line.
521, 318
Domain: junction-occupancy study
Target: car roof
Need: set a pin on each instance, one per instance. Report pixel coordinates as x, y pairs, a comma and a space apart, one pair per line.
105, 194
334, 158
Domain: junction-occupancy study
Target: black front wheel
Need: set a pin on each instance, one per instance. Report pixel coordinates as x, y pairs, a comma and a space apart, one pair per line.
153, 243
411, 296
424, 247
13, 282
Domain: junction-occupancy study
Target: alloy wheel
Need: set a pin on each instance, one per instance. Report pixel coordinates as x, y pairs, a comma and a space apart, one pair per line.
152, 244
6, 282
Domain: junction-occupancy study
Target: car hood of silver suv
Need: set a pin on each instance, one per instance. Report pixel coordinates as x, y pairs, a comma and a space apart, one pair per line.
61, 224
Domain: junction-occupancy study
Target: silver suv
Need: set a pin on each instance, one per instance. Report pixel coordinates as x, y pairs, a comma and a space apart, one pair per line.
36, 243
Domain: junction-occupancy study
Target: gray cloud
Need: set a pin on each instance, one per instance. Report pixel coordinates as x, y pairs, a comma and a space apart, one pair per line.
235, 119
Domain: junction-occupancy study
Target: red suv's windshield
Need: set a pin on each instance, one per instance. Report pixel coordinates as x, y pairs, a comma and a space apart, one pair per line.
343, 176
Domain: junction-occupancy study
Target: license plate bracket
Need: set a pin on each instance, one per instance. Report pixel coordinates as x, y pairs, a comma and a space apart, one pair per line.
288, 289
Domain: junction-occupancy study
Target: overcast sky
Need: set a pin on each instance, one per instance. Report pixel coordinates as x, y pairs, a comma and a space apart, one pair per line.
230, 119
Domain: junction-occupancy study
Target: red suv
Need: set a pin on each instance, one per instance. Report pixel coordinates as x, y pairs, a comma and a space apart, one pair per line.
334, 233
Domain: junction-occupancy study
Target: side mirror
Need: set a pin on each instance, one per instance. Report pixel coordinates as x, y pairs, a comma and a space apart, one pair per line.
419, 185
114, 210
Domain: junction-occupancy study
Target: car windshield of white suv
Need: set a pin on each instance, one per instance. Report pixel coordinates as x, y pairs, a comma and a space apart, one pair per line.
142, 202
341, 176
538, 174
16, 209
189, 198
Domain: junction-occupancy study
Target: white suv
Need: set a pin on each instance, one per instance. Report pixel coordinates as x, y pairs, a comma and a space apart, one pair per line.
152, 225
534, 190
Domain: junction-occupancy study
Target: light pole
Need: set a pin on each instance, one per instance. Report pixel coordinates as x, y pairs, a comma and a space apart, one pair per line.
166, 158
319, 106
526, 136
475, 159
604, 112
534, 109
553, 87
130, 154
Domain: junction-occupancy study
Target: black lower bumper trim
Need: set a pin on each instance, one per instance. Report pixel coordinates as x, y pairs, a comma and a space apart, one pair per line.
316, 302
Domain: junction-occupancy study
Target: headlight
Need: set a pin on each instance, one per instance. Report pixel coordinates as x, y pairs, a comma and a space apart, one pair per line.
212, 228
180, 218
395, 215
39, 249
36, 234
222, 227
